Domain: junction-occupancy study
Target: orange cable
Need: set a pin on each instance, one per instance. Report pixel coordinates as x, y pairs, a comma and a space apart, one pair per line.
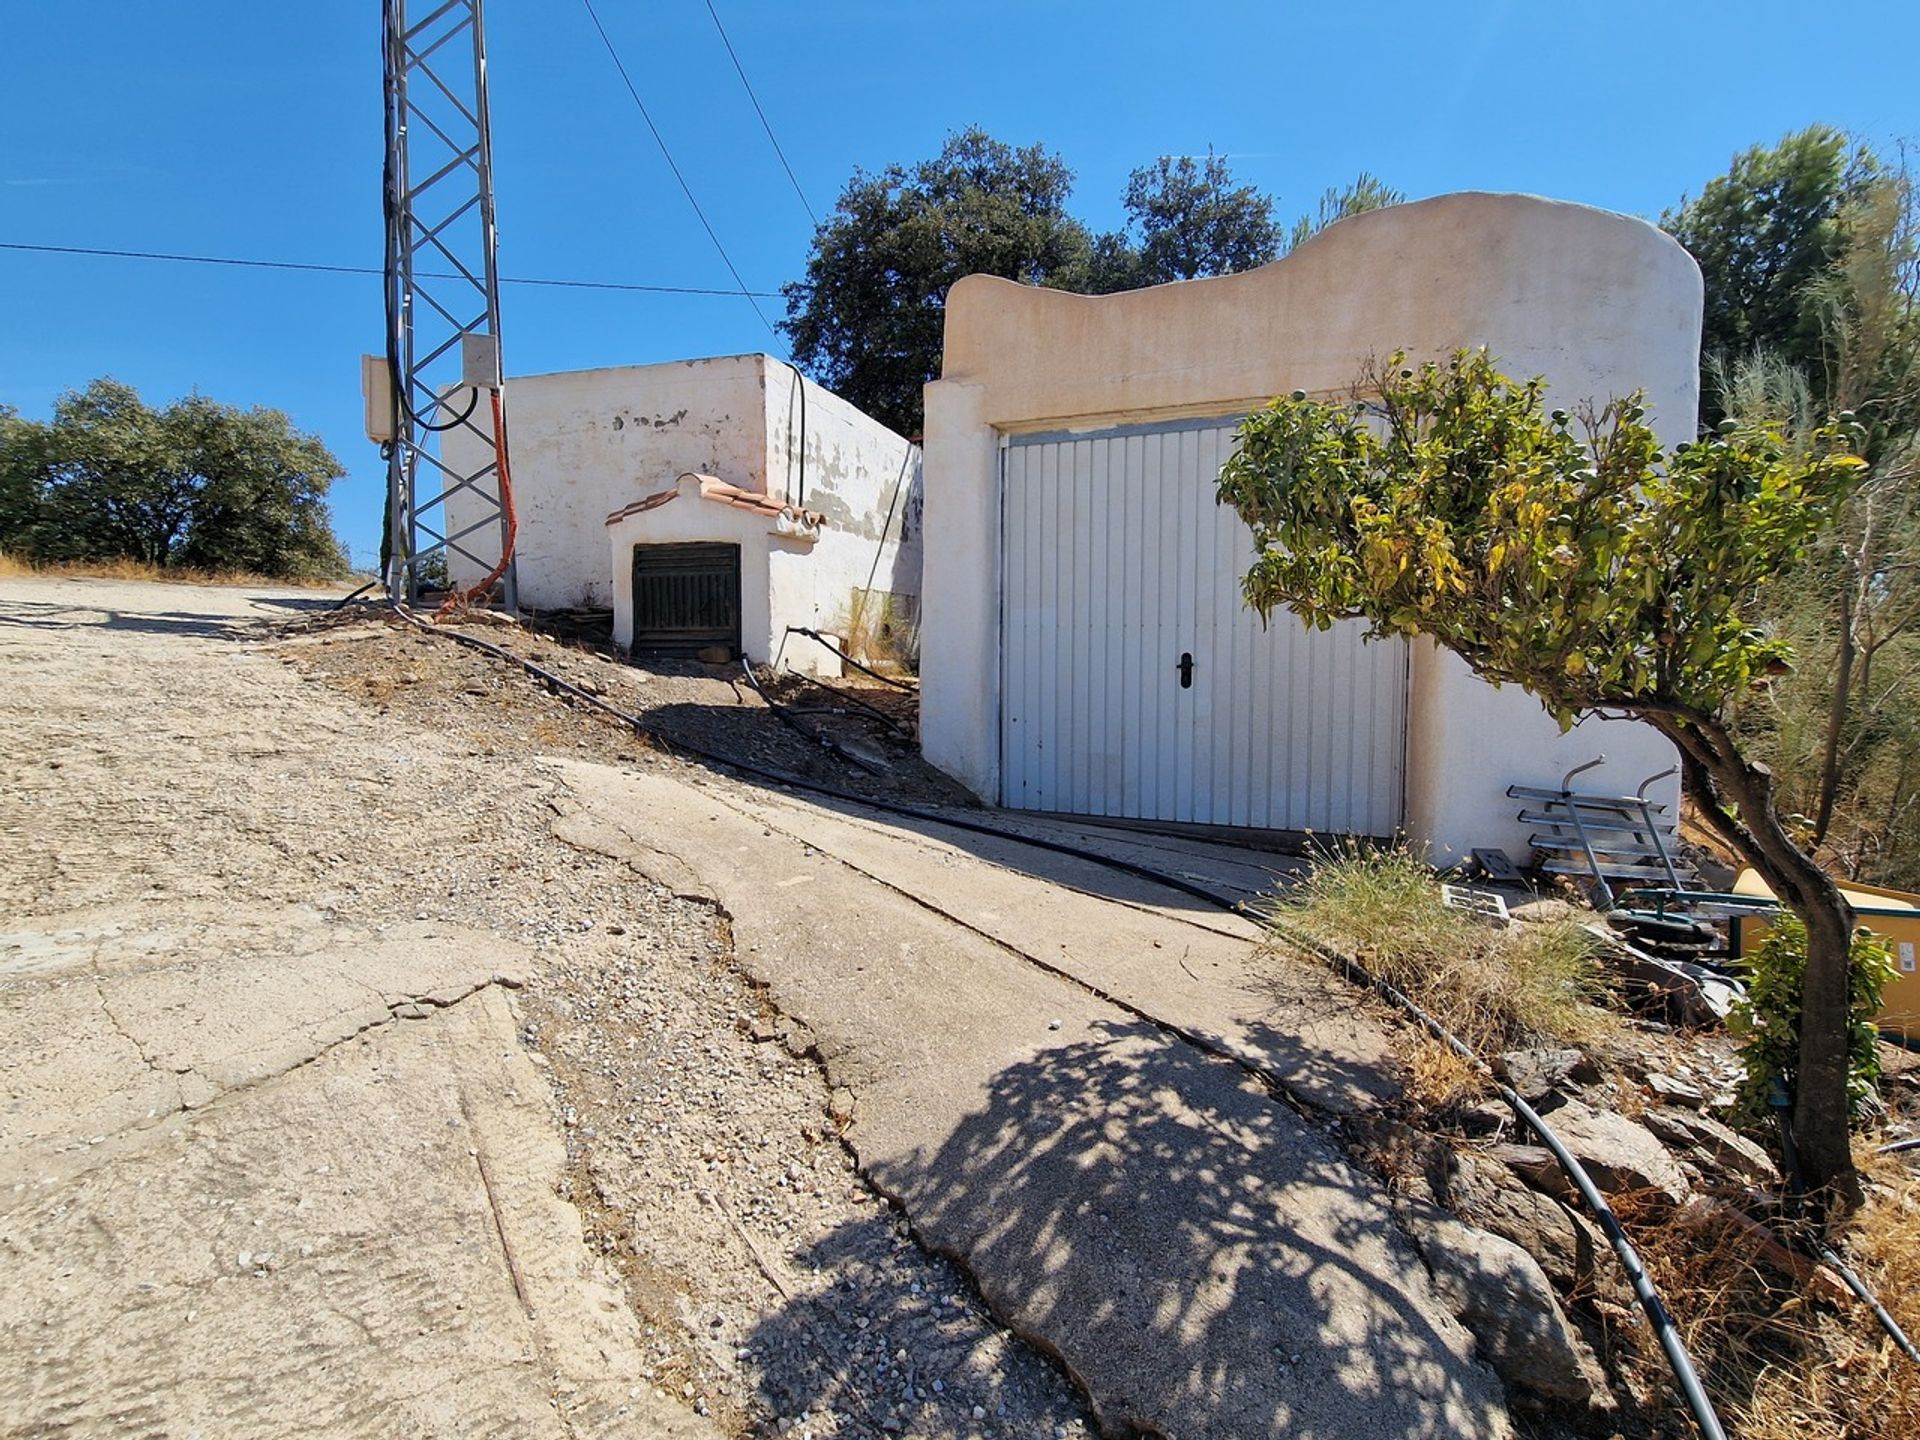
467, 597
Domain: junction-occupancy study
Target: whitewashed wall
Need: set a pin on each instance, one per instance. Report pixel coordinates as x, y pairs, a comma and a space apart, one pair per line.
1601, 304
587, 443
852, 464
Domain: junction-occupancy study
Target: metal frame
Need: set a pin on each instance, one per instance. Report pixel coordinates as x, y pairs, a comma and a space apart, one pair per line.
437, 128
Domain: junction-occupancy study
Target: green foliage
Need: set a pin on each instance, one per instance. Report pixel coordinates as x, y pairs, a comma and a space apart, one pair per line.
1768, 1018
1765, 234
1367, 192
1842, 732
1193, 220
1574, 558
1492, 988
196, 484
867, 320
21, 468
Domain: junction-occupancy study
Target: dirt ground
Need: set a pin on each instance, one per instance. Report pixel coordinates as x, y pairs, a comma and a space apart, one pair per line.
309, 1030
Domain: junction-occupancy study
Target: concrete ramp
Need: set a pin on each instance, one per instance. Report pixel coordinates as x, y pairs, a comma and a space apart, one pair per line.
1193, 1248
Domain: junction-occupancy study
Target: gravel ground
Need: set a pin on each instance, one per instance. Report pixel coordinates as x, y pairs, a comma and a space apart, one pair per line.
377, 777
777, 1287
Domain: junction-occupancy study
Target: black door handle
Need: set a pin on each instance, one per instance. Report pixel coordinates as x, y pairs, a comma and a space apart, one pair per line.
1185, 667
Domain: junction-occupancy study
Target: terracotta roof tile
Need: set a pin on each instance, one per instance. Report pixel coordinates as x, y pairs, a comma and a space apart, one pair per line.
714, 488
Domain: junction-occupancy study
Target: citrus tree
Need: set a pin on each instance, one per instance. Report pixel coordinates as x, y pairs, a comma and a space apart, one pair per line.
1572, 555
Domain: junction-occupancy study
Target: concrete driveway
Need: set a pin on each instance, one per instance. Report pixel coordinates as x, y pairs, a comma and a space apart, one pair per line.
1101, 1098
276, 1154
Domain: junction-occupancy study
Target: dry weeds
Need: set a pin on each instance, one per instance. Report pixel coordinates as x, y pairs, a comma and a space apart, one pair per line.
14, 566
1438, 1079
1780, 1362
1493, 988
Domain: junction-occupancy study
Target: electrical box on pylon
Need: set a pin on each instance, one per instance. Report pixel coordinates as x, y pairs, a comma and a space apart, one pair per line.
383, 404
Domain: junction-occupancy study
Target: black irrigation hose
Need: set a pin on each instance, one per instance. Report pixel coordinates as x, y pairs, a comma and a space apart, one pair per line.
1670, 1341
872, 710
1790, 1157
782, 714
842, 655
341, 605
1643, 1288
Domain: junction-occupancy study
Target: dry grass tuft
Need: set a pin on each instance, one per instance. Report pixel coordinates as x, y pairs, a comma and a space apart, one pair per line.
1493, 988
1779, 1362
14, 566
883, 630
1438, 1079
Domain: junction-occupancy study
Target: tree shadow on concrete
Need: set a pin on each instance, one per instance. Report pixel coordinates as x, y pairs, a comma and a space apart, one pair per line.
1197, 1255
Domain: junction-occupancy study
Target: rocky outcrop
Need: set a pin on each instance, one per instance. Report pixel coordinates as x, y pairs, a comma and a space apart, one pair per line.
1712, 1146
1561, 1240
1503, 1297
1621, 1156
1535, 1074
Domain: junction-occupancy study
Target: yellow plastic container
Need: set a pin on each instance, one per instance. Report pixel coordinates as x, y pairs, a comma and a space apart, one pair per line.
1894, 915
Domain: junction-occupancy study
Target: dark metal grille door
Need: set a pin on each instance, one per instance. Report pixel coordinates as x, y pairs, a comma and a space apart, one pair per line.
686, 598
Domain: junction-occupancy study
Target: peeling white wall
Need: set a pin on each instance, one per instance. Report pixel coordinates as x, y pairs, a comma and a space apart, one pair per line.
852, 465
587, 443
1601, 304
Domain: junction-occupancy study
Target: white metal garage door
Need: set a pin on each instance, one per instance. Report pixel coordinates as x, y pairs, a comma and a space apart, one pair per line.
1136, 682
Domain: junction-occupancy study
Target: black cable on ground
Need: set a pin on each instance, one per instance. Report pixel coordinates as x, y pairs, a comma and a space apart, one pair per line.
781, 713
1781, 1103
341, 605
904, 732
1671, 1344
845, 658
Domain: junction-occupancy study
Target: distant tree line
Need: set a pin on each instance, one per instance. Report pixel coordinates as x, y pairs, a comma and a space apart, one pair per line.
196, 485
867, 319
1810, 249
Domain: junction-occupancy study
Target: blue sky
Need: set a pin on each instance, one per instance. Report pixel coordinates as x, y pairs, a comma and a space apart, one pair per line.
253, 129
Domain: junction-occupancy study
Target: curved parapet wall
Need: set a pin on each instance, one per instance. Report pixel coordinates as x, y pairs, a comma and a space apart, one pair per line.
1600, 304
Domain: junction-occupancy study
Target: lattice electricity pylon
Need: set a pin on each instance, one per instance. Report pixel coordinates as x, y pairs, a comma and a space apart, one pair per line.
443, 303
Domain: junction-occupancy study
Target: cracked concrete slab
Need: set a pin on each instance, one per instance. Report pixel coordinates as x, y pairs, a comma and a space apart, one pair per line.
89, 1055
1296, 1024
219, 1280
1196, 1253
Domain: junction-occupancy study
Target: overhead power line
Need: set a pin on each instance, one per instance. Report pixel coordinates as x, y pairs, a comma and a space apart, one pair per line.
317, 269
685, 188
765, 124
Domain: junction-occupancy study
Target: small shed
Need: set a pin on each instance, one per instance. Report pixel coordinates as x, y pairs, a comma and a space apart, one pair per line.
727, 574
1086, 649
708, 504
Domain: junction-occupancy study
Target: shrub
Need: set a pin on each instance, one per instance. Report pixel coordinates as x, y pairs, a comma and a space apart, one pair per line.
1768, 1018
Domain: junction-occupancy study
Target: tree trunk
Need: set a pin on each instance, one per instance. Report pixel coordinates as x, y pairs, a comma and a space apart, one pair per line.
1836, 721
1737, 796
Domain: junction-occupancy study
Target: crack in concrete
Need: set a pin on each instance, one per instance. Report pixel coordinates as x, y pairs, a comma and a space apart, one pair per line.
224, 1093
1275, 1087
1322, 1119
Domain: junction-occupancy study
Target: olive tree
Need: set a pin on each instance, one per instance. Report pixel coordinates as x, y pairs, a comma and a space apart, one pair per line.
1575, 557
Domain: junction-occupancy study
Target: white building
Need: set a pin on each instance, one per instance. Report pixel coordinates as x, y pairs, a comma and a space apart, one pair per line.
732, 496
1085, 648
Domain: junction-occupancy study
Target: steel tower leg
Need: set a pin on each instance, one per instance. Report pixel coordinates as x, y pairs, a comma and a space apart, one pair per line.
449, 521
